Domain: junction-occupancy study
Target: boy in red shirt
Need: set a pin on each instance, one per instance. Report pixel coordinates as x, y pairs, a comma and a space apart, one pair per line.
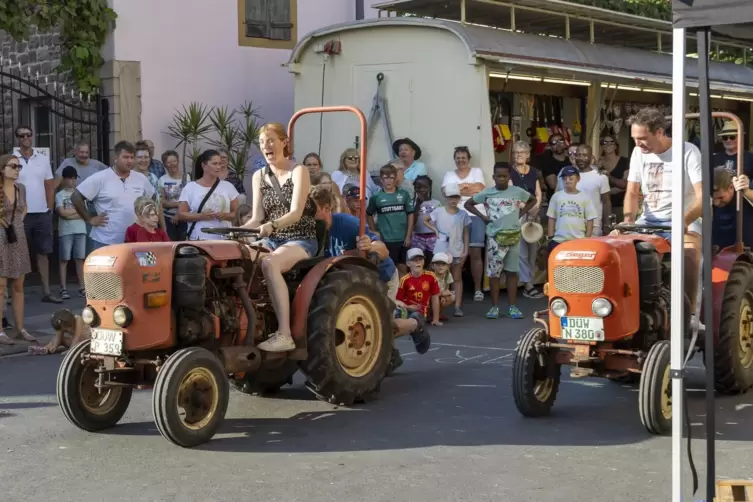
147, 218
417, 289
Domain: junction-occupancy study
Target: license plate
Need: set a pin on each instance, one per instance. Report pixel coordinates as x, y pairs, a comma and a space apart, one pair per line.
107, 342
584, 329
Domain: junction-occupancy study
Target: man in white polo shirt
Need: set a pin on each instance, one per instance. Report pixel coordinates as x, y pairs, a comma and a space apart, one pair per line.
36, 176
113, 192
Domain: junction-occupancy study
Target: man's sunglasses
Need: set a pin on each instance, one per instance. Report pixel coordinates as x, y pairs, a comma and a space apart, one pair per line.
729, 138
607, 143
557, 142
24, 135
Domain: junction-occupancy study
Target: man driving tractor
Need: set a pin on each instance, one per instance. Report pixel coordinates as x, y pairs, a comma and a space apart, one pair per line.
653, 171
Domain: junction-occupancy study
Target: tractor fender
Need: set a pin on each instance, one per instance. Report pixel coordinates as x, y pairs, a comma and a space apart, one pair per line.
305, 292
721, 265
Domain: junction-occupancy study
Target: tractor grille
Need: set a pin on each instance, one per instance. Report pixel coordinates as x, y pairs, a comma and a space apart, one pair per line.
103, 286
578, 279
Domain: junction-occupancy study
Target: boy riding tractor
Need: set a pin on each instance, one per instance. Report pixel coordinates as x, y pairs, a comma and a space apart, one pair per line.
609, 297
185, 317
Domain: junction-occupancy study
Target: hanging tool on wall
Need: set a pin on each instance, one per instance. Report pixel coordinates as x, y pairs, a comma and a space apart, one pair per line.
379, 110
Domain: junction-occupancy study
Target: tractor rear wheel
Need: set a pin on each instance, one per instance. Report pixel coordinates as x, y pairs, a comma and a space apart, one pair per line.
82, 403
349, 336
655, 391
190, 397
267, 381
733, 353
534, 386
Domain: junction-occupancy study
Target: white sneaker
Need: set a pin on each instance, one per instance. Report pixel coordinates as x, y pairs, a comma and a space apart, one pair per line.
278, 343
479, 296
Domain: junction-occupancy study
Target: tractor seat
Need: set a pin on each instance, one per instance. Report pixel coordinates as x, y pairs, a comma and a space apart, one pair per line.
322, 240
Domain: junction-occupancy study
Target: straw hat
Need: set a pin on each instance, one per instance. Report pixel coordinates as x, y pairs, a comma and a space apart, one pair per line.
531, 232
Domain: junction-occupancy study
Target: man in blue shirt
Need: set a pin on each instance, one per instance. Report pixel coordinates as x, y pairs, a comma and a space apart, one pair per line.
343, 237
724, 229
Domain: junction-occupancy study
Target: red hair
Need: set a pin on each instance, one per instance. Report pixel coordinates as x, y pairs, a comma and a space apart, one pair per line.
278, 130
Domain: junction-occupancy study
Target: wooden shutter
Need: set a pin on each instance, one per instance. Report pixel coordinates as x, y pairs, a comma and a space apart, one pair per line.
270, 19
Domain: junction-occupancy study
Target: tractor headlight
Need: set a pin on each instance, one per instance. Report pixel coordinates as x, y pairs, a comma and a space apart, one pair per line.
122, 316
601, 307
558, 307
89, 316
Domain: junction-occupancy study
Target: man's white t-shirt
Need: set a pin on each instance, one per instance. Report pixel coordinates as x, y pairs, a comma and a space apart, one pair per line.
114, 197
219, 202
34, 172
654, 172
593, 184
475, 176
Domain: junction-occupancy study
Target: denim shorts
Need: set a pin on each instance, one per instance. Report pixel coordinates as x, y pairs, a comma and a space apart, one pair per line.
693, 227
310, 245
478, 232
72, 247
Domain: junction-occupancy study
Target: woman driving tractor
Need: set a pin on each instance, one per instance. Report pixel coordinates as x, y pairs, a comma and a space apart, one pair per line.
284, 216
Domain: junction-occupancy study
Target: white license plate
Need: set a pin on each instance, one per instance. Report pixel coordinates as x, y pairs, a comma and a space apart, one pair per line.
584, 329
107, 342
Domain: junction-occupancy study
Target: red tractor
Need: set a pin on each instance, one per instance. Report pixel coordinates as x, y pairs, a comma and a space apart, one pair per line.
185, 318
609, 316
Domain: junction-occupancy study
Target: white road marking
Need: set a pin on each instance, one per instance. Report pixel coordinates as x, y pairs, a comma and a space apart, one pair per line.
457, 356
323, 416
477, 385
491, 361
472, 347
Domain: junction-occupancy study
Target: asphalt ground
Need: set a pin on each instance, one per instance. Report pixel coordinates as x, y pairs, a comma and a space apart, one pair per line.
443, 428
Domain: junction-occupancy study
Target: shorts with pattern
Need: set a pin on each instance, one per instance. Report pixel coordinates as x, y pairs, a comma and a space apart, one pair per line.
501, 259
424, 242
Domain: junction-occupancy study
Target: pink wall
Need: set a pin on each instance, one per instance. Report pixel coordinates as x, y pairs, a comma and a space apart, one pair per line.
189, 51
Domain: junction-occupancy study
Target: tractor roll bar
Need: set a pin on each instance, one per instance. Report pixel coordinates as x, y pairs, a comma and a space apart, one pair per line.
364, 135
740, 145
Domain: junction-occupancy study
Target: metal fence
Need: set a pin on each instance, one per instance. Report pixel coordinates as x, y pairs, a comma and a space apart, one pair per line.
59, 115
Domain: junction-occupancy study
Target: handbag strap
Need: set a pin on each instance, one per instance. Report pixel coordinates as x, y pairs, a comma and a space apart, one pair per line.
201, 206
16, 192
275, 184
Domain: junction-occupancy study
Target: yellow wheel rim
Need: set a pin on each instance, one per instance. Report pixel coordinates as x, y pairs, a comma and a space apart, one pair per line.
95, 401
361, 326
666, 395
198, 398
745, 333
542, 389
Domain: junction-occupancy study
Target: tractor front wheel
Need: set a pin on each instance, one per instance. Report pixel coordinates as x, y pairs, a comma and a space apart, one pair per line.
190, 397
349, 336
83, 404
655, 391
733, 353
535, 375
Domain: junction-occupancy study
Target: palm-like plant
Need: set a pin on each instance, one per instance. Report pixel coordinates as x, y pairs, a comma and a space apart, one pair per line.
189, 126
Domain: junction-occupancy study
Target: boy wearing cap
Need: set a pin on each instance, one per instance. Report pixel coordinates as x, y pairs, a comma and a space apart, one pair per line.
71, 232
352, 196
419, 288
571, 212
440, 266
453, 229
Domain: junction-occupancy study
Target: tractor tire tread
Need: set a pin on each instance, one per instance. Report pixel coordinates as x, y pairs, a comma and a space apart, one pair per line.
524, 361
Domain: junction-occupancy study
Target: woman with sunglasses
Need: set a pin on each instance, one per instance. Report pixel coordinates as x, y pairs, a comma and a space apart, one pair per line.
14, 251
349, 172
616, 168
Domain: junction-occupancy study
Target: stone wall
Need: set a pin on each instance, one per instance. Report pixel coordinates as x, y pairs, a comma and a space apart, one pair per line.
33, 91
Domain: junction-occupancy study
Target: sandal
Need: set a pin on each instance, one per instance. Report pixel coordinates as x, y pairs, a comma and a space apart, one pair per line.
6, 340
25, 336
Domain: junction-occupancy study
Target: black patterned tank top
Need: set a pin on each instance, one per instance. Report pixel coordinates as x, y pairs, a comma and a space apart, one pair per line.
274, 208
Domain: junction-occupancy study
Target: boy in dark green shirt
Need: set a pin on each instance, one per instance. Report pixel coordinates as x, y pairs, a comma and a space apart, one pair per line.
394, 209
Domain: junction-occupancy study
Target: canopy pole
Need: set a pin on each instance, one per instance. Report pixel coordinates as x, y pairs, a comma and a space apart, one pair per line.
678, 258
707, 142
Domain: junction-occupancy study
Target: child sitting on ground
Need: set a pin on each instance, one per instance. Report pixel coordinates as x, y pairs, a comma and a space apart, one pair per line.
571, 213
70, 329
418, 289
440, 266
423, 236
147, 220
453, 229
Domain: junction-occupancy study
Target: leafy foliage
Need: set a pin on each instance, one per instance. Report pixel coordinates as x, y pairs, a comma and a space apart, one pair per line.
654, 9
84, 26
236, 131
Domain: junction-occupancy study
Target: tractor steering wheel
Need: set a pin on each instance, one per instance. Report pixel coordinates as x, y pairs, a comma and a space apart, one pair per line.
233, 232
642, 229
